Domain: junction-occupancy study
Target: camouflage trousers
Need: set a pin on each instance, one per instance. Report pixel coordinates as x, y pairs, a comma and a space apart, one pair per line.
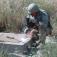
41, 33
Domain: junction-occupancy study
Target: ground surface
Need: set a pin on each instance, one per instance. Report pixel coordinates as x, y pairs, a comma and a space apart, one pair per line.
14, 50
14, 39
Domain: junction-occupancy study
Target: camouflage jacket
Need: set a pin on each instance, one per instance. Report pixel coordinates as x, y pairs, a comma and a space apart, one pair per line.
42, 17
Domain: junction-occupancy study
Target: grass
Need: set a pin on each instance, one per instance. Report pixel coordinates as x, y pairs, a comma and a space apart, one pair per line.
12, 13
3, 52
50, 50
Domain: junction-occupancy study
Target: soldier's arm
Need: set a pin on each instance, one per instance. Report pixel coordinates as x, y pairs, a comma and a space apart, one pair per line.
27, 21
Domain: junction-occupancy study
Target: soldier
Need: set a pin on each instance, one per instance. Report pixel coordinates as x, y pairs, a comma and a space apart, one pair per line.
37, 16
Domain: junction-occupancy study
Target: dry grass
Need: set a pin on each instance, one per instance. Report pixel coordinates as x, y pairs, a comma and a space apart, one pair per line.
12, 13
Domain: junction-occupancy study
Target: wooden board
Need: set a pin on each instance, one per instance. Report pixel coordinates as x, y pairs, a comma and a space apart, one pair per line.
14, 39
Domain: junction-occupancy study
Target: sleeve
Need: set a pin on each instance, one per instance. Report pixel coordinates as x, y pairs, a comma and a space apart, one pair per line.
45, 19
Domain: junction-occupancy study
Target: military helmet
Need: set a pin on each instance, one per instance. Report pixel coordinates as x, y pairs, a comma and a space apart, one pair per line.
32, 8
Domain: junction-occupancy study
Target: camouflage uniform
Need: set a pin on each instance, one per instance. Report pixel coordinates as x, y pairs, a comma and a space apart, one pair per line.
41, 18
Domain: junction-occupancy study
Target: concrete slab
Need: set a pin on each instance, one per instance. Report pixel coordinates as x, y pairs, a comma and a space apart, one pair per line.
14, 39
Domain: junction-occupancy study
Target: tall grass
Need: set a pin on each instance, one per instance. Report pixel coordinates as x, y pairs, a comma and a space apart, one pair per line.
12, 12
3, 51
50, 50
3, 54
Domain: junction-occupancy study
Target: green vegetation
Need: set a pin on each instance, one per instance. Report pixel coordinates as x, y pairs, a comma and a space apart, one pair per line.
3, 54
50, 50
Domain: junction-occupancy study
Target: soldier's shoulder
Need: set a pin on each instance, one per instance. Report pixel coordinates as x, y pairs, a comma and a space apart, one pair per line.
44, 12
